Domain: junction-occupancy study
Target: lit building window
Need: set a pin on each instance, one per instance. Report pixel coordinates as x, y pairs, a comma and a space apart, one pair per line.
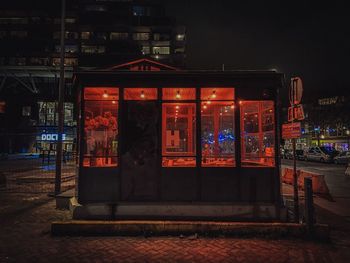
217, 127
48, 115
67, 35
140, 36
161, 50
68, 48
179, 50
71, 35
145, 50
179, 135
257, 133
85, 35
67, 62
101, 127
180, 37
93, 49
118, 36
141, 10
161, 37
140, 94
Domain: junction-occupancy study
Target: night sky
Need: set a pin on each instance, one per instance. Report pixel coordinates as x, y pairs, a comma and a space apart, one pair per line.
300, 39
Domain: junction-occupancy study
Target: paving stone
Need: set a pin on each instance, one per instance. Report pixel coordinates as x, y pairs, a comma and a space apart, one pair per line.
25, 237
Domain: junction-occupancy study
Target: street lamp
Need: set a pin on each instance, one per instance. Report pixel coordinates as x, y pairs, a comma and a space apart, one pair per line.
348, 135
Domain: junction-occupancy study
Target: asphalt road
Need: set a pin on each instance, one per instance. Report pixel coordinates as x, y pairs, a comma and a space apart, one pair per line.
338, 184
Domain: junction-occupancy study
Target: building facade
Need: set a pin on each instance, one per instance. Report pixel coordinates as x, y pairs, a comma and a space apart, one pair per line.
327, 123
98, 34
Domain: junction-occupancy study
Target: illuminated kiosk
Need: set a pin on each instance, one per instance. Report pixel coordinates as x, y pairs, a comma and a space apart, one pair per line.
170, 144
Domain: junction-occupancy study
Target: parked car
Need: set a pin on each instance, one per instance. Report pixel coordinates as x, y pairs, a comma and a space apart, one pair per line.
320, 154
342, 158
300, 154
287, 154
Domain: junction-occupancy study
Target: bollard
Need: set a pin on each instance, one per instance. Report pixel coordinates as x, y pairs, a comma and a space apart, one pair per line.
309, 204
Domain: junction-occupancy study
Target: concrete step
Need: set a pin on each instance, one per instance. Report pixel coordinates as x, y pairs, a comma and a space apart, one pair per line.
206, 228
63, 199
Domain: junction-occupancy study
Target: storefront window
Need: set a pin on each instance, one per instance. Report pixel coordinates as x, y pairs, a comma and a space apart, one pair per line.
101, 127
217, 131
218, 139
258, 133
178, 135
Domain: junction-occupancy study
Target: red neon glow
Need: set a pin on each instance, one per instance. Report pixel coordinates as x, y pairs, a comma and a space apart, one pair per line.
179, 93
101, 93
217, 93
140, 94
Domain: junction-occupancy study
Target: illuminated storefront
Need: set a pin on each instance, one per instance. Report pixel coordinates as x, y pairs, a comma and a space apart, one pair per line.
179, 144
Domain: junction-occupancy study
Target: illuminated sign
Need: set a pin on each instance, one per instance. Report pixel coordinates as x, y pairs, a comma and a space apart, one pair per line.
330, 101
291, 130
52, 137
296, 113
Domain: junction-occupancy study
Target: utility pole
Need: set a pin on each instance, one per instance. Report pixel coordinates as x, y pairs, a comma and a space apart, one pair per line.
60, 104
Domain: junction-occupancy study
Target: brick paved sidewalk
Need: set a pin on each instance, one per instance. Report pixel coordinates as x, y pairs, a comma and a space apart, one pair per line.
25, 237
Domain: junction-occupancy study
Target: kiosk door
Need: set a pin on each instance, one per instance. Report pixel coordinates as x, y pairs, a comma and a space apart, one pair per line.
139, 151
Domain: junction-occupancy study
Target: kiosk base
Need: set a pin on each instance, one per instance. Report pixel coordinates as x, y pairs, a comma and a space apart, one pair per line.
172, 211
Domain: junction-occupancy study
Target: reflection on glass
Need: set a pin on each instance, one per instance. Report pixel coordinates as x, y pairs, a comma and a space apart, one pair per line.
218, 139
178, 134
258, 135
101, 130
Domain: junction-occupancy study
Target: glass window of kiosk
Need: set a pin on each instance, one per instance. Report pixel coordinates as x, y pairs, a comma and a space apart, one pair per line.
258, 133
217, 127
179, 134
100, 127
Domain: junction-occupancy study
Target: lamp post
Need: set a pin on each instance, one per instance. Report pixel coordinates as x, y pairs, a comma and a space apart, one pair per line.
60, 105
348, 135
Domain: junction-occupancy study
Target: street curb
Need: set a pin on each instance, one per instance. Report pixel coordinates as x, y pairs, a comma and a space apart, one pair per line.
175, 228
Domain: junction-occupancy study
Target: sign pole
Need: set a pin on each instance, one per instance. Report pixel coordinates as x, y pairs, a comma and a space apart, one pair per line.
295, 184
60, 106
296, 91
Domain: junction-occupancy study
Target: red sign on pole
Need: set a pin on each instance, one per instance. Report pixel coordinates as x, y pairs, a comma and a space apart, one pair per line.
296, 113
291, 130
296, 91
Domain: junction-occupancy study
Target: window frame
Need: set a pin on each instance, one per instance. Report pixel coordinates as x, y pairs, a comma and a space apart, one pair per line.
260, 133
82, 143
